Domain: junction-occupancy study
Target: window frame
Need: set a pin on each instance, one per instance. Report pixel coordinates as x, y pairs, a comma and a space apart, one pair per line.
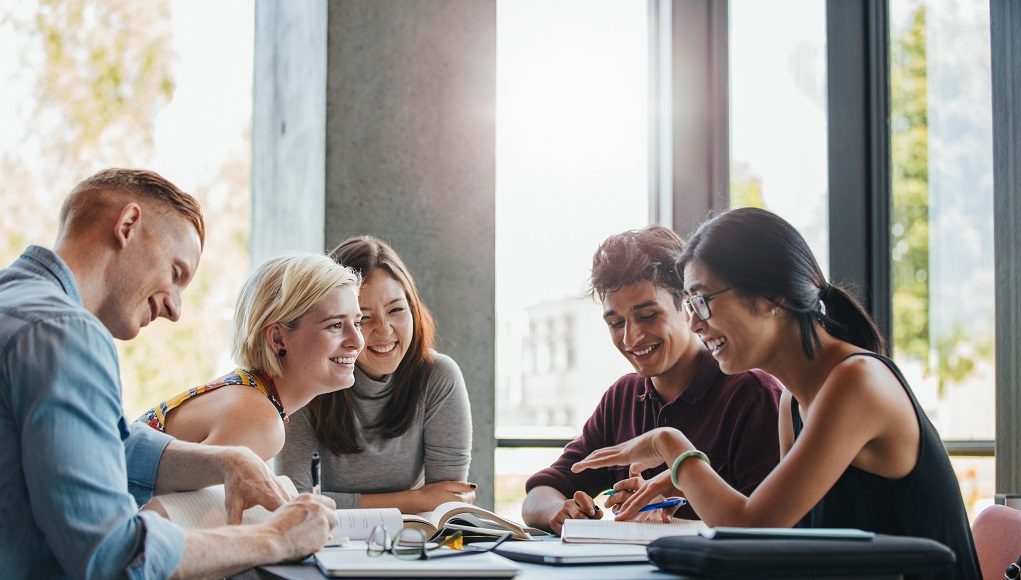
694, 161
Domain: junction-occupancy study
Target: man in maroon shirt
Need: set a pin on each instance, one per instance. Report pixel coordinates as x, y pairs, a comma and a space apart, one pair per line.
677, 383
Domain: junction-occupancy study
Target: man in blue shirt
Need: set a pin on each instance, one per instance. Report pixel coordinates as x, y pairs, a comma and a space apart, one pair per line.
72, 470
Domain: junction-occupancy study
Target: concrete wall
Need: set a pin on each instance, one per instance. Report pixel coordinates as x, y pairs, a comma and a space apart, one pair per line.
409, 155
288, 127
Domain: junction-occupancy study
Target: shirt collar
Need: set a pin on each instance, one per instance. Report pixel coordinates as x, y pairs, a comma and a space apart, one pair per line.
45, 262
705, 377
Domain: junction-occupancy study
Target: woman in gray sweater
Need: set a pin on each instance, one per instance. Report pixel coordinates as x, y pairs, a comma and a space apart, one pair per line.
401, 436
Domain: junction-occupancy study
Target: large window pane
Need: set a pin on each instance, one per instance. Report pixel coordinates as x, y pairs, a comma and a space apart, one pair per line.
91, 84
572, 102
778, 114
942, 226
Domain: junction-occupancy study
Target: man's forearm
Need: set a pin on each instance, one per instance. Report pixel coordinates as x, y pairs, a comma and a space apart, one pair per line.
220, 552
186, 466
540, 505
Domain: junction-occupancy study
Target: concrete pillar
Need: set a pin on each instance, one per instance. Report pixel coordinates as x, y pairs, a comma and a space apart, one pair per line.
408, 154
288, 128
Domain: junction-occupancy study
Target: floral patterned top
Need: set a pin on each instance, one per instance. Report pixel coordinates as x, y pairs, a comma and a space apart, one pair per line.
258, 380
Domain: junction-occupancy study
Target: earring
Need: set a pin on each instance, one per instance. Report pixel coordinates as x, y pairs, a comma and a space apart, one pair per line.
774, 312
283, 352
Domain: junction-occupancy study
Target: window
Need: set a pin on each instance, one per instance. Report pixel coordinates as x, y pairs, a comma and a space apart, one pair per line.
572, 168
101, 84
778, 114
941, 234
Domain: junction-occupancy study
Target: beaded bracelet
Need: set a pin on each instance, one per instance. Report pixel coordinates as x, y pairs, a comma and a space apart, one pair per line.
680, 459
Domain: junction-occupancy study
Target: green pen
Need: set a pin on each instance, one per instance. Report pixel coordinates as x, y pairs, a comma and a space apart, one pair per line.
608, 492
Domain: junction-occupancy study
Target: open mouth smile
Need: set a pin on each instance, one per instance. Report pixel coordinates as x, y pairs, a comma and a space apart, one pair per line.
383, 348
644, 352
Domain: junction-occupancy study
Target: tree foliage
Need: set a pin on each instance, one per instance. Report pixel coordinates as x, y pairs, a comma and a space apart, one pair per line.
102, 72
909, 238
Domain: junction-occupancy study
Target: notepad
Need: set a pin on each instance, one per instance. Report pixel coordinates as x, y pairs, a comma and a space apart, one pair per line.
724, 533
204, 508
612, 532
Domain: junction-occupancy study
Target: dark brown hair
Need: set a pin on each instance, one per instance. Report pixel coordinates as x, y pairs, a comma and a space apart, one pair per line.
645, 255
331, 414
759, 254
146, 184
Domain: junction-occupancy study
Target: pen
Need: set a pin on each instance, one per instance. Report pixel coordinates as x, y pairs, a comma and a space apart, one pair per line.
316, 473
608, 492
670, 502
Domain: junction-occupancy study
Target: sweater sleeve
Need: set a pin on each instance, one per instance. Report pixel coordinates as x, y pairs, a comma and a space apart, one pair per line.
447, 424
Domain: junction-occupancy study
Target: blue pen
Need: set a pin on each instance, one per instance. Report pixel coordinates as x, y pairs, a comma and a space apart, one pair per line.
670, 502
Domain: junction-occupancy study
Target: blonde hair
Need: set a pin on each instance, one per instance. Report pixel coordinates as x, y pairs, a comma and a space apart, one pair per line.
281, 291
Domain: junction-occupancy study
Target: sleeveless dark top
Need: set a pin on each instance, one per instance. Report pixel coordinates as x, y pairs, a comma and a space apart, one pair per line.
925, 503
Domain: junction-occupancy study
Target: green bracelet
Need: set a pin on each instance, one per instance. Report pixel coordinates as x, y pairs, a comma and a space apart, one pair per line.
680, 459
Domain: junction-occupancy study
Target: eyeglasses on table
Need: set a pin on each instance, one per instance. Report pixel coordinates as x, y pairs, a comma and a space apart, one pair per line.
412, 544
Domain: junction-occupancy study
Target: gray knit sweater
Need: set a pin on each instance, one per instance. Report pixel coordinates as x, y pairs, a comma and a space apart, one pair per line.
436, 447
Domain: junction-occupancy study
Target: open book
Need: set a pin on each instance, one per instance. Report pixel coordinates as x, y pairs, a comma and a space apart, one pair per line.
611, 532
204, 508
455, 515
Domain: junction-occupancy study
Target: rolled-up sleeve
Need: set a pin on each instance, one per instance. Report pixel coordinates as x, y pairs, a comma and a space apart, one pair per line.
143, 449
76, 445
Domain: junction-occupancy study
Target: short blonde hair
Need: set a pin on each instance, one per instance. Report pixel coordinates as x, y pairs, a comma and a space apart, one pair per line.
281, 291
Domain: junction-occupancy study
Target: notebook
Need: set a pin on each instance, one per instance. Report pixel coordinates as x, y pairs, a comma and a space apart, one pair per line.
561, 554
204, 508
357, 564
612, 532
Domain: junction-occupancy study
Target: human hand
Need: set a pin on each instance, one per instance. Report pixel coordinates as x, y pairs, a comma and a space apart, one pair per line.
625, 488
248, 482
647, 492
645, 451
302, 526
431, 495
579, 507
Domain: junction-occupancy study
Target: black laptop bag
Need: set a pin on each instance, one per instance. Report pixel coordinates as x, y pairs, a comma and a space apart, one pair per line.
799, 558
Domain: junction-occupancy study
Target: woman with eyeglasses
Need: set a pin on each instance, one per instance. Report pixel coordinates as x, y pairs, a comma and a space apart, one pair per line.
857, 450
401, 436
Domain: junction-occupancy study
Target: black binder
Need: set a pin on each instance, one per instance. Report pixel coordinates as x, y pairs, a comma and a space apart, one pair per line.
799, 558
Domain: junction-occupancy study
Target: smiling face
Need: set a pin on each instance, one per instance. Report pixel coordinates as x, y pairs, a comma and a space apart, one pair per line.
322, 348
739, 334
648, 329
153, 269
387, 324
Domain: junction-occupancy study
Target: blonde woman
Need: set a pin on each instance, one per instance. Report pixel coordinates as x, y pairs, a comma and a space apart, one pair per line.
296, 336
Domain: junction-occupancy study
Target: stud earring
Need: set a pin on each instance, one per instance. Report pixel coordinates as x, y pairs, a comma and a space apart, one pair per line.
774, 312
283, 352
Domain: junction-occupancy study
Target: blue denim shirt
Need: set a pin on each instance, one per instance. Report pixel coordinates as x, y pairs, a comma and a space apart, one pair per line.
72, 471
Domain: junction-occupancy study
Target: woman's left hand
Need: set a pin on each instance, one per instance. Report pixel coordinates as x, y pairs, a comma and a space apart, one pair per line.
650, 491
627, 488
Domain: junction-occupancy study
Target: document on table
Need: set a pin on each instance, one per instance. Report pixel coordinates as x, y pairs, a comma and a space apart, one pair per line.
611, 532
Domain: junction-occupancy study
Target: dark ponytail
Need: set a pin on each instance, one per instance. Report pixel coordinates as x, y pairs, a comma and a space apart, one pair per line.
760, 254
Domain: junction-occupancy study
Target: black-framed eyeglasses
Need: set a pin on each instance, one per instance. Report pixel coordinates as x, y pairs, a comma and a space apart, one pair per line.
412, 544
699, 303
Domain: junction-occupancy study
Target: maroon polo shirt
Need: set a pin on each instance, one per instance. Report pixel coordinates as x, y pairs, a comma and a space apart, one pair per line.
731, 418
